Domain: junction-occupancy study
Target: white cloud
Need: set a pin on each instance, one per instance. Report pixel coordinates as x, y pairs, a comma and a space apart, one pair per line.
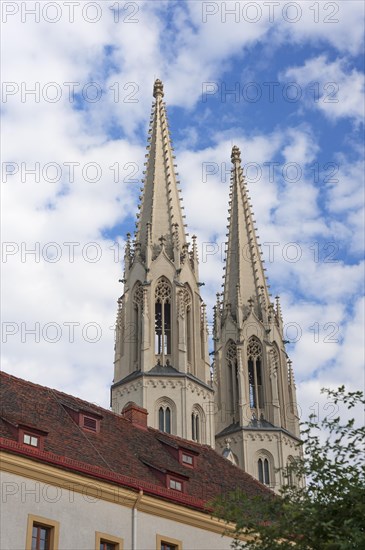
346, 201
345, 367
340, 90
338, 23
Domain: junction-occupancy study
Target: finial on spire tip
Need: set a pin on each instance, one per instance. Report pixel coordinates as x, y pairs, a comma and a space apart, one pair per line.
158, 88
236, 154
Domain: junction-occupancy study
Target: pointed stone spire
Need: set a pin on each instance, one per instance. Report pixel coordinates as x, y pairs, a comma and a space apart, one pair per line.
160, 202
249, 350
244, 269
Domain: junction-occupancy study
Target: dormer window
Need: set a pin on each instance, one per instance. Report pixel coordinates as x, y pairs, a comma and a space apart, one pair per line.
30, 439
176, 485
31, 436
187, 456
176, 481
88, 420
90, 423
187, 459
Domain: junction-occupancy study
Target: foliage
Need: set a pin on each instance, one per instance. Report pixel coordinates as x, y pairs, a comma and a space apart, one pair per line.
325, 513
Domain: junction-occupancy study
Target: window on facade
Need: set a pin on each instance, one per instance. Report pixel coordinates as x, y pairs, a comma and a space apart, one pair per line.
174, 484
164, 419
163, 318
41, 537
185, 306
231, 357
105, 545
42, 533
195, 426
32, 440
167, 543
254, 354
188, 333
168, 546
264, 470
291, 477
104, 541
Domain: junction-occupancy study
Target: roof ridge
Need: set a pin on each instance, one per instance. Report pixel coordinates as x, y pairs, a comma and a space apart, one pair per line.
58, 392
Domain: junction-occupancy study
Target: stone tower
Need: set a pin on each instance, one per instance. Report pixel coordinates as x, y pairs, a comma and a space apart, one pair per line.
257, 424
161, 349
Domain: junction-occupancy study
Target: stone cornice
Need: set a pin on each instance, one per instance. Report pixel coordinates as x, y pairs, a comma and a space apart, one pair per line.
257, 431
140, 374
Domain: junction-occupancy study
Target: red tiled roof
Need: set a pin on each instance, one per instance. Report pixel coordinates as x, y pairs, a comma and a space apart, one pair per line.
120, 453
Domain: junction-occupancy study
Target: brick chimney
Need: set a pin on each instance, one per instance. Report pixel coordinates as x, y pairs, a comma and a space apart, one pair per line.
136, 415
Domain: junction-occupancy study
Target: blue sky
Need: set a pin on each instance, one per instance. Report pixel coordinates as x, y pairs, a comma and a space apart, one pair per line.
301, 147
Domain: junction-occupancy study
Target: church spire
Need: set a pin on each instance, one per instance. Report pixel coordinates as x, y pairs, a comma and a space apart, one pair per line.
160, 211
244, 272
254, 381
161, 346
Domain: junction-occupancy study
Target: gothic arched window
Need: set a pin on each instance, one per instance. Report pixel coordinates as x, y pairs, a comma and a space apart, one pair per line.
254, 356
198, 424
136, 328
165, 415
195, 426
164, 419
187, 305
188, 333
232, 375
163, 318
263, 470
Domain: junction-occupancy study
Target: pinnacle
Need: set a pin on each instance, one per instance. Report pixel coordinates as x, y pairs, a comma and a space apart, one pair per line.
236, 155
158, 89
